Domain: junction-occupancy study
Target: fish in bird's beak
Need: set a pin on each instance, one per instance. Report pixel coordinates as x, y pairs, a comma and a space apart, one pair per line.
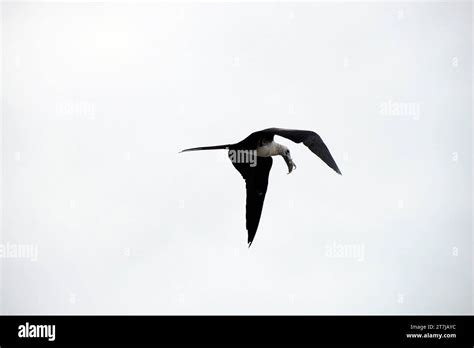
289, 162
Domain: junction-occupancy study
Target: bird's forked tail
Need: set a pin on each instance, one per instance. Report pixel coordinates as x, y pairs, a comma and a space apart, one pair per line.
217, 147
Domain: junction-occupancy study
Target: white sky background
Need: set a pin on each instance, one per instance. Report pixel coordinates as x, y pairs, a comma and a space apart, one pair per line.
99, 98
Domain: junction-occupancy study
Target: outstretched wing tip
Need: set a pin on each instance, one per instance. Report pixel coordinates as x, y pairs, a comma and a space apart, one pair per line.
256, 183
250, 237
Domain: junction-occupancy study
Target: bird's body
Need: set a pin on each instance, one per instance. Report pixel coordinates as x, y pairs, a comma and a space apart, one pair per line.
269, 149
258, 149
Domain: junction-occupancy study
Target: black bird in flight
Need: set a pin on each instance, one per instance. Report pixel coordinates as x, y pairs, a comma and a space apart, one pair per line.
252, 157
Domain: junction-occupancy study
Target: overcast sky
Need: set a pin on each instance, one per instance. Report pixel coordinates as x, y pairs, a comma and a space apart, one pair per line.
99, 98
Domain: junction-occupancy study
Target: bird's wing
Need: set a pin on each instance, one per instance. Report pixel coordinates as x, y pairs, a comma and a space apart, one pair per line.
256, 182
312, 140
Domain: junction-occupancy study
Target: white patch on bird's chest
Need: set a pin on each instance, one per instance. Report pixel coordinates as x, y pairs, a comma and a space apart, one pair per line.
267, 150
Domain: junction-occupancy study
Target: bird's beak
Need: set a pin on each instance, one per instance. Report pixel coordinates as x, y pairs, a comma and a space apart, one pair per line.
289, 162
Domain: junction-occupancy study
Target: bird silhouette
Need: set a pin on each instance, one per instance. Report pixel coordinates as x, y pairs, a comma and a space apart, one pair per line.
252, 157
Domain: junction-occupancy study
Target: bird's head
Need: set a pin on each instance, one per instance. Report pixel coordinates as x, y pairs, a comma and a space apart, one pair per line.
285, 153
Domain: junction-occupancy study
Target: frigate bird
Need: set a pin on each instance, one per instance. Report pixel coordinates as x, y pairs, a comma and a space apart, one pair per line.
252, 157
